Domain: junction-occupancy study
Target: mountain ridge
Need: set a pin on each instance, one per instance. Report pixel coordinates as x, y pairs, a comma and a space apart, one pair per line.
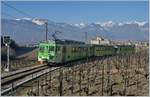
34, 30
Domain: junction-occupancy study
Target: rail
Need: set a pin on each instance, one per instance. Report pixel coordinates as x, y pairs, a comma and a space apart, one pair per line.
17, 78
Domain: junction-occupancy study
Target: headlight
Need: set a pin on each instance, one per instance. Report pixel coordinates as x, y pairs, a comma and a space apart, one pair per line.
39, 59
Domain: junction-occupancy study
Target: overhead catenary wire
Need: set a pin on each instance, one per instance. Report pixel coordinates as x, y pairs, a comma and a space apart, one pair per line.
19, 11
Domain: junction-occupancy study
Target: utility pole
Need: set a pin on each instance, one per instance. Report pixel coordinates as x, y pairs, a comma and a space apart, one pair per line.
86, 42
8, 65
7, 41
86, 37
46, 24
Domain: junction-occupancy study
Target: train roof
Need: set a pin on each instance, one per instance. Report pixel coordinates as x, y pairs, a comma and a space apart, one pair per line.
125, 45
102, 45
63, 42
69, 42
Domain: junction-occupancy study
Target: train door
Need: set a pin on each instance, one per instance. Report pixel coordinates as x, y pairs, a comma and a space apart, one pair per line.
63, 53
58, 53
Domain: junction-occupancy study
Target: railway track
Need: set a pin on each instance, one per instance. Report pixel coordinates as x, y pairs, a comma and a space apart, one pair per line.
15, 79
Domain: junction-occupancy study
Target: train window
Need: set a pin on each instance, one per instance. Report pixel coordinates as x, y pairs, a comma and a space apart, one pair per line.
58, 48
83, 49
73, 49
51, 48
78, 49
91, 48
46, 47
101, 48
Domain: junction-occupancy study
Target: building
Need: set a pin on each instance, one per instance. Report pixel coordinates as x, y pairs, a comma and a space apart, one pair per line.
100, 40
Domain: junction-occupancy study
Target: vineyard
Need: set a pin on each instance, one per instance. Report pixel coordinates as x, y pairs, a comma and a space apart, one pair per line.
18, 64
121, 75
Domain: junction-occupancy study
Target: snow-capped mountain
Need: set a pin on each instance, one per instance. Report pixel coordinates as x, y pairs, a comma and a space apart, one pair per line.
39, 21
133, 30
136, 22
110, 24
25, 18
80, 25
107, 24
33, 30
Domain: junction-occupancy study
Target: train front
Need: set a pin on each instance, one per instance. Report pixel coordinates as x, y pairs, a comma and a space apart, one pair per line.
46, 52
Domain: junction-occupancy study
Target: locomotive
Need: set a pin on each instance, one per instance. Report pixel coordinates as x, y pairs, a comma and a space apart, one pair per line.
62, 51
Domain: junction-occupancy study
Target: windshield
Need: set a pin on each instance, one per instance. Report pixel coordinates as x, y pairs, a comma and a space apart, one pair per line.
41, 49
45, 48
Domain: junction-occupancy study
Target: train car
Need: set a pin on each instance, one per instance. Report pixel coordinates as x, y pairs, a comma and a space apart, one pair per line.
46, 51
75, 51
90, 51
60, 51
104, 50
124, 49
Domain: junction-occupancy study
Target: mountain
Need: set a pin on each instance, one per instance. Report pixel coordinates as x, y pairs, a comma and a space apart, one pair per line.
132, 31
28, 30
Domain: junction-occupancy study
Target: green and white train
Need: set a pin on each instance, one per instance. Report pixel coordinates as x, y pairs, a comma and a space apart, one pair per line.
62, 51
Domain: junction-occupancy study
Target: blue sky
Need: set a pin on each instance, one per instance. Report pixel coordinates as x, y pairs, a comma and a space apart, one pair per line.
75, 12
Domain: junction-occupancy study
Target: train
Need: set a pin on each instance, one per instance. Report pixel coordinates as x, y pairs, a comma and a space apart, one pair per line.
62, 51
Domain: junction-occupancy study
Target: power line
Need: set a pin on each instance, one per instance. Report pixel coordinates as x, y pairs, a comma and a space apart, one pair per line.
16, 9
